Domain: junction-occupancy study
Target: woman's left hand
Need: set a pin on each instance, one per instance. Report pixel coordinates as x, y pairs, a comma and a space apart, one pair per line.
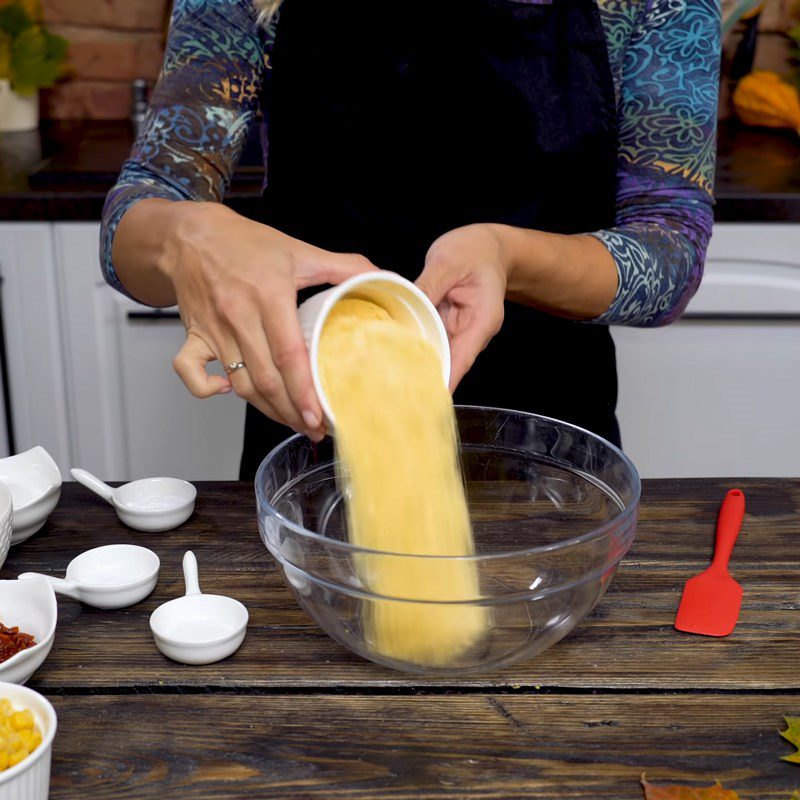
465, 276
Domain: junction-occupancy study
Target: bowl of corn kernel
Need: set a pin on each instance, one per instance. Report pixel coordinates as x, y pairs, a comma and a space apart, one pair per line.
27, 729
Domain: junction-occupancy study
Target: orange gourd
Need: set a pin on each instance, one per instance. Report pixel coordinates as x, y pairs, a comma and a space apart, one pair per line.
762, 98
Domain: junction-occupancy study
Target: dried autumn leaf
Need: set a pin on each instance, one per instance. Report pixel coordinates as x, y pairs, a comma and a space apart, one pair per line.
792, 734
715, 792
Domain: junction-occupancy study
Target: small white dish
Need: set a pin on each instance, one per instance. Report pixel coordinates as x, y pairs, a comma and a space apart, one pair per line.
6, 522
198, 628
30, 779
35, 483
112, 576
150, 504
31, 606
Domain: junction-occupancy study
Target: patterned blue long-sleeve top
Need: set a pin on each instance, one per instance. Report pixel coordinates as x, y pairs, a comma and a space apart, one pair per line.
664, 58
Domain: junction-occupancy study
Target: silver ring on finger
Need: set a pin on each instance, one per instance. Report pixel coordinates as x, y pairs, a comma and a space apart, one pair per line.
233, 366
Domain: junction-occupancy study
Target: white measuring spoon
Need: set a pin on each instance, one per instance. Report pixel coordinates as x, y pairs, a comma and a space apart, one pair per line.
112, 576
150, 504
198, 628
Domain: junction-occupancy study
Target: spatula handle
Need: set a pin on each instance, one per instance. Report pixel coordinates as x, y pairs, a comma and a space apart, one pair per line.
729, 523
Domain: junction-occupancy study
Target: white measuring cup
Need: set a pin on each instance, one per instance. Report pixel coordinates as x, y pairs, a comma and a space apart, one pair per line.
112, 576
404, 301
150, 504
198, 628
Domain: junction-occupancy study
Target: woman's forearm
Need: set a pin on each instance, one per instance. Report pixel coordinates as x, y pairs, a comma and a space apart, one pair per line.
144, 247
236, 282
569, 276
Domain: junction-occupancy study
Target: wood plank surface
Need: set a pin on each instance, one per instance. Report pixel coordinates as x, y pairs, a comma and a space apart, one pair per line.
628, 642
469, 746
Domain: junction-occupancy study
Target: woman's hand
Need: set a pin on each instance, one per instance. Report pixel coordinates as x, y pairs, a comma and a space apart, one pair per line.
236, 284
470, 271
465, 276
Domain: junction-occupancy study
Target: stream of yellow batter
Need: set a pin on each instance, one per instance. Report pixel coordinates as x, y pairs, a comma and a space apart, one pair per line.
396, 441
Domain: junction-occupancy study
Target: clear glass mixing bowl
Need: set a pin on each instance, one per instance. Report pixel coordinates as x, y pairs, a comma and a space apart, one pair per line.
553, 508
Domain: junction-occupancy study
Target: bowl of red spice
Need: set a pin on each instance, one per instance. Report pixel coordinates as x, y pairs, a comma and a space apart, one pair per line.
28, 615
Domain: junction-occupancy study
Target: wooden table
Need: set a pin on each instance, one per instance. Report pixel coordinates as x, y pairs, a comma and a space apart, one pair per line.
294, 715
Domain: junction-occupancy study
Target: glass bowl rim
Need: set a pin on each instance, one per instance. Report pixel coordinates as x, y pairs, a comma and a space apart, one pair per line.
589, 536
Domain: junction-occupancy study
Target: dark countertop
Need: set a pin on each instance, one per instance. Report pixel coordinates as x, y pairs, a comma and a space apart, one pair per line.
293, 714
64, 171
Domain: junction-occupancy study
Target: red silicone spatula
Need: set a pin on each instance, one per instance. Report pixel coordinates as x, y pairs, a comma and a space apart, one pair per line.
711, 601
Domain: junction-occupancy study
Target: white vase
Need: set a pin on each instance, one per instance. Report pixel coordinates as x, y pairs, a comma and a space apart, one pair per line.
17, 112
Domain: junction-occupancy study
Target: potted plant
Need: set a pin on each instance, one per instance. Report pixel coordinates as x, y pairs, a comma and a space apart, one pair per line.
30, 58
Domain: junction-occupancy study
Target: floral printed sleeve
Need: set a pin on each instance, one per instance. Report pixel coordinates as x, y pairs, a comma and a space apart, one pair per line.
202, 108
665, 58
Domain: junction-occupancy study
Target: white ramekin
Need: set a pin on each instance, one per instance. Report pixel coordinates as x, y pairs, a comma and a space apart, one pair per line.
401, 298
30, 779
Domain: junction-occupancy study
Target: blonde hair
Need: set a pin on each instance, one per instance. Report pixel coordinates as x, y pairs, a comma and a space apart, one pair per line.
266, 9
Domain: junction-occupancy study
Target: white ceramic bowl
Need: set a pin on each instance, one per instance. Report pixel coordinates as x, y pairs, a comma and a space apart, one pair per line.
401, 298
155, 504
199, 628
35, 483
31, 606
30, 779
111, 576
6, 522
149, 504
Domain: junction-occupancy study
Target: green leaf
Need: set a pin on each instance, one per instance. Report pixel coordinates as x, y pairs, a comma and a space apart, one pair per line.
57, 46
14, 20
37, 58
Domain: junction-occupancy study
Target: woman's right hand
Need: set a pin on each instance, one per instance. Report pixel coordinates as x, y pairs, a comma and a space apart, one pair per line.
236, 283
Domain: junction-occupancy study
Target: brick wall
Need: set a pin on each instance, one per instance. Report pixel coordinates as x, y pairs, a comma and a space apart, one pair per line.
111, 43
775, 16
114, 41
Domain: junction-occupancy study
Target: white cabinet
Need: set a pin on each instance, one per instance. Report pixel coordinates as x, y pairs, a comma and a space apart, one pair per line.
718, 392
33, 344
93, 384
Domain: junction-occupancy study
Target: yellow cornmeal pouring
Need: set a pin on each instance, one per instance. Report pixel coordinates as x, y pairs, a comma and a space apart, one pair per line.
396, 443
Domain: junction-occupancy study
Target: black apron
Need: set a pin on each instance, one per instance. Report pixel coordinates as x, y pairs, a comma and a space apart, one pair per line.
392, 123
